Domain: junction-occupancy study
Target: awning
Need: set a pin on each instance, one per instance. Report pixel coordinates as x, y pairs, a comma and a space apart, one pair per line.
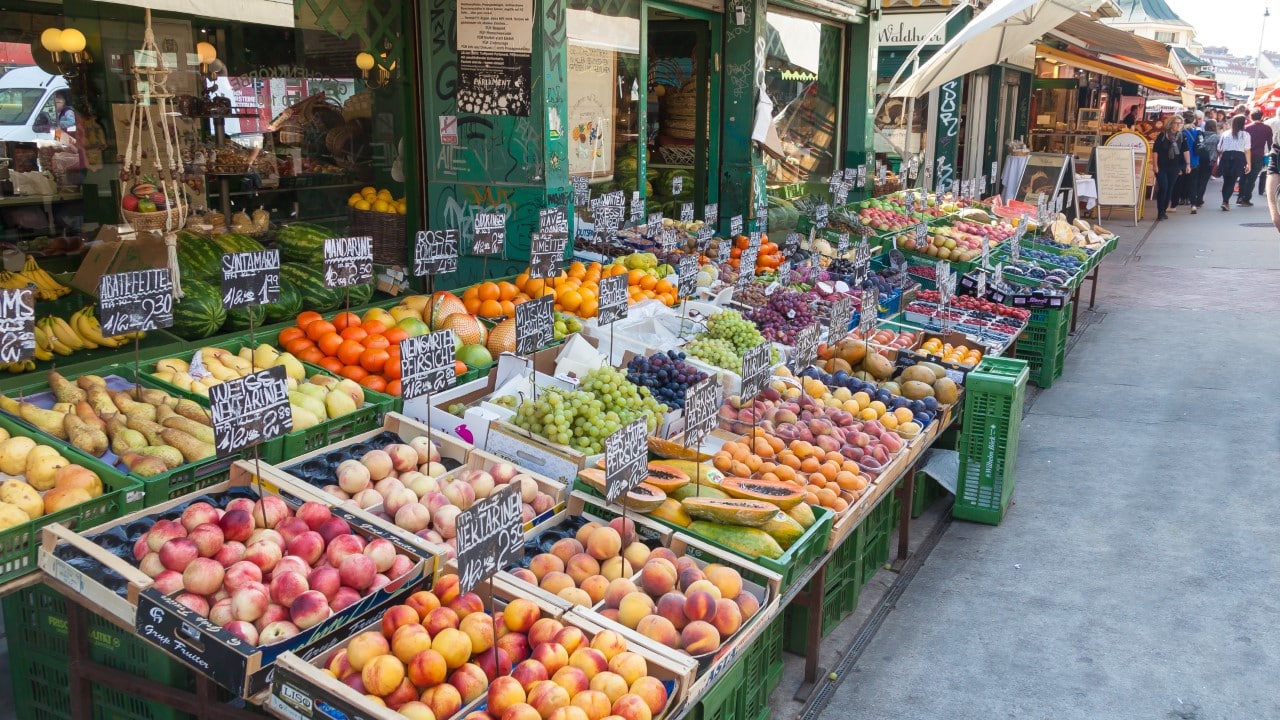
1131, 70
1096, 37
1202, 86
1265, 92
1001, 30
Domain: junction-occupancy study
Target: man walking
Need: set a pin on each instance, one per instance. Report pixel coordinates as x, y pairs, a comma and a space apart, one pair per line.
1259, 145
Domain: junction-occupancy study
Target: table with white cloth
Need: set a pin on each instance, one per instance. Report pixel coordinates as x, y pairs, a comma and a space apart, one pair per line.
1014, 166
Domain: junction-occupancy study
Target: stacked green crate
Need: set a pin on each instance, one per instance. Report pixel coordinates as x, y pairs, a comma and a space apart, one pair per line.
1043, 344
927, 492
994, 394
724, 700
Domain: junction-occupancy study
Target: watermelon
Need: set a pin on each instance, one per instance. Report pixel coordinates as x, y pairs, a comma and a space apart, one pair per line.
199, 257
237, 243
238, 319
309, 281
302, 242
199, 313
289, 306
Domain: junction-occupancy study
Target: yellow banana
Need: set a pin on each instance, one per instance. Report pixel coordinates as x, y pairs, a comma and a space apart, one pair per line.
63, 332
43, 279
87, 325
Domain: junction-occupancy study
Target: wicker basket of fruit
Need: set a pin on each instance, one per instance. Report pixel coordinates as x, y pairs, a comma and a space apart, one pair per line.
147, 208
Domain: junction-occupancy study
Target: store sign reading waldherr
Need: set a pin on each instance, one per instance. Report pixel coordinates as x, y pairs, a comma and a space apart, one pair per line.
250, 278
490, 536
348, 261
701, 409
17, 325
626, 459
435, 252
135, 301
613, 299
534, 324
490, 234
250, 410
426, 364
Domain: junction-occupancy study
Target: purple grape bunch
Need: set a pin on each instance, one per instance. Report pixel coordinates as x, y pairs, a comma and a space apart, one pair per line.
666, 375
784, 316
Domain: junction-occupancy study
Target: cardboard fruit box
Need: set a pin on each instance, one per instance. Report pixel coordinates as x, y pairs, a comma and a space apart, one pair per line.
98, 564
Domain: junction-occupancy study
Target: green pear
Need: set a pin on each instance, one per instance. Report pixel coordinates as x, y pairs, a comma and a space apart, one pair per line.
354, 389
292, 366
324, 381
303, 418
246, 353
315, 391
264, 356
339, 403
314, 404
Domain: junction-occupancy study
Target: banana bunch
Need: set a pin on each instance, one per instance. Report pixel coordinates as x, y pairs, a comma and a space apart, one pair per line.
33, 276
80, 332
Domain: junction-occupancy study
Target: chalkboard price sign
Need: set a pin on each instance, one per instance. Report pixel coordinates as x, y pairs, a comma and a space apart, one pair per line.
711, 214
426, 364
784, 273
668, 238
754, 240
677, 184
861, 262
534, 328
790, 244
637, 207
701, 408
490, 234
806, 348
490, 536
869, 314
135, 301
626, 459
724, 251
613, 299
842, 245
546, 253
581, 190
762, 218
435, 252
17, 325
688, 274
747, 266
250, 410
755, 370
821, 215
735, 225
348, 261
655, 224
553, 220
922, 236
250, 278
704, 238
841, 315
686, 212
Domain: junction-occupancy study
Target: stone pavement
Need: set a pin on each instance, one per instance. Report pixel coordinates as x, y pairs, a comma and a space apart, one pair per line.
1135, 575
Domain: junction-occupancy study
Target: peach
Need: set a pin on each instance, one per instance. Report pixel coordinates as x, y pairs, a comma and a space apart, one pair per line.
610, 684
494, 662
705, 586
554, 582
684, 562
728, 617
178, 553
208, 538
240, 574
504, 692
589, 660
308, 545
366, 499
688, 577
671, 607
162, 532
447, 588
151, 566
453, 645
571, 638
334, 527
243, 630
409, 640
626, 529
413, 517
292, 563
416, 710
651, 690
382, 675
632, 707
249, 603
273, 614
529, 672
203, 576
582, 566
594, 703
268, 535
354, 682
658, 578
546, 697
310, 609
604, 543
198, 513
479, 628
339, 666
544, 630
520, 615
699, 605
700, 637
629, 665
398, 498
326, 580
230, 553
664, 552
609, 643
616, 567
552, 655
470, 681
290, 528
427, 668
440, 619
660, 630
404, 694
572, 712
726, 579
269, 511
609, 613
364, 647
277, 631
575, 596
344, 598
423, 601
403, 457
585, 531
544, 563
396, 617
466, 604
378, 463
634, 607
521, 711
443, 699
220, 613
286, 586
399, 567
314, 514
195, 603
357, 572
265, 554
572, 679
617, 590
637, 553
460, 494
353, 477
748, 604
516, 645
566, 548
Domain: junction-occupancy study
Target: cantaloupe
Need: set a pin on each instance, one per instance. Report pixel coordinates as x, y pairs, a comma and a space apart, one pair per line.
466, 327
502, 338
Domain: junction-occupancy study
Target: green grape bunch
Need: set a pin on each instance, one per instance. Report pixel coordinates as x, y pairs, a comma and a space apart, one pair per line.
602, 404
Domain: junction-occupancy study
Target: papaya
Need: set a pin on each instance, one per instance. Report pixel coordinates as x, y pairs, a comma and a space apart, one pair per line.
706, 490
733, 511
693, 471
673, 512
666, 477
944, 389
675, 451
643, 498
747, 541
919, 374
803, 514
782, 494
913, 390
783, 528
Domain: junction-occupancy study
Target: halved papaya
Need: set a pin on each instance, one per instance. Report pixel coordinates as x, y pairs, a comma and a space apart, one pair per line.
704, 489
673, 512
675, 451
752, 513
642, 498
784, 495
666, 477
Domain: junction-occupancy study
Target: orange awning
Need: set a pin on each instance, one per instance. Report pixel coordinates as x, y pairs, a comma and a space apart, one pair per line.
1202, 86
1132, 70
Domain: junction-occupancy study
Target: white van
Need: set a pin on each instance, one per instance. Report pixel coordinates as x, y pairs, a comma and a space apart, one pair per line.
26, 104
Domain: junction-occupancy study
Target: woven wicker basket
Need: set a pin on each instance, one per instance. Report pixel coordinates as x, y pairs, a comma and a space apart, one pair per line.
152, 220
388, 233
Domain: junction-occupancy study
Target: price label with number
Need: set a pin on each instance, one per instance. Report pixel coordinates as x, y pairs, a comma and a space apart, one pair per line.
490, 536
250, 278
613, 299
842, 245
841, 316
135, 301
637, 207
861, 263
581, 190
735, 225
704, 238
862, 176
805, 351
626, 459
869, 315
534, 324
724, 251
688, 274
711, 214
18, 324
490, 235
426, 364
754, 238
747, 266
655, 224
435, 252
546, 254
755, 370
981, 290
686, 212
790, 244
822, 215
250, 410
677, 185
348, 261
922, 236
762, 218
701, 409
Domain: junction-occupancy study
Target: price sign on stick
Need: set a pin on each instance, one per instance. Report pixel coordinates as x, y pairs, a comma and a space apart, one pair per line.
435, 252
581, 190
724, 251
755, 370
490, 234
821, 215
348, 261
677, 185
704, 238
553, 219
1015, 242
842, 245
897, 260
426, 364
18, 324
613, 299
922, 236
762, 218
546, 253
135, 301
784, 273
686, 212
869, 315
250, 410
790, 244
861, 262
747, 266
735, 225
840, 195
701, 409
711, 214
490, 536
637, 207
670, 238
806, 348
626, 459
986, 253
882, 174
250, 278
841, 315
534, 327
655, 224
981, 290
688, 274
862, 176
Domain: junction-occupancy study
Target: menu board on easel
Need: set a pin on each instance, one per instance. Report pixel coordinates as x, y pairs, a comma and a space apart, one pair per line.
1141, 152
1117, 182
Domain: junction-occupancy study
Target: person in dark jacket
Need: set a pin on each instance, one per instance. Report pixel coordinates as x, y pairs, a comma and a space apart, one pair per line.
1173, 160
1259, 144
1208, 158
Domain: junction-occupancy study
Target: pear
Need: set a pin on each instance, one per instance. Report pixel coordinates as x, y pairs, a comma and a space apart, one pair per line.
127, 405
174, 364
354, 389
292, 367
164, 412
143, 465
63, 389
167, 375
89, 382
312, 403
171, 456
17, 492
316, 391
237, 365
152, 396
101, 402
192, 411
303, 418
265, 356
43, 462
85, 412
8, 404
181, 380
47, 421
192, 449
63, 407
201, 387
291, 384
86, 437
13, 455
339, 403
246, 353
127, 439
220, 371
191, 427
4, 434
324, 381
150, 430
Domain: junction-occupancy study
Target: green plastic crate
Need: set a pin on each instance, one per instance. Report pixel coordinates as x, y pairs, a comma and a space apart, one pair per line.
36, 620
927, 492
770, 642
120, 496
723, 700
837, 604
994, 394
1043, 344
875, 553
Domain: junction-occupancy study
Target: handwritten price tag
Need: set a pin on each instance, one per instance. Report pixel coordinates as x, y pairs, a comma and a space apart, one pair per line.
250, 278
135, 301
251, 410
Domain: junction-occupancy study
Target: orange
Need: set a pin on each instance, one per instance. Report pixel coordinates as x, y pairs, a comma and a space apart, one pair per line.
506, 290
635, 276
306, 316
471, 292
354, 333
332, 364
344, 320
393, 388
570, 299
508, 307
297, 345
311, 355
288, 335
373, 382
375, 327
349, 352
319, 329
472, 304
577, 269
391, 370
353, 372
588, 308
488, 291
373, 359
395, 335
489, 308
533, 286
377, 341
648, 282
329, 343
664, 287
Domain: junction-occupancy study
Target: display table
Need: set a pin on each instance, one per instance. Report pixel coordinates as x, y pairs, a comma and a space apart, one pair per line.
1087, 191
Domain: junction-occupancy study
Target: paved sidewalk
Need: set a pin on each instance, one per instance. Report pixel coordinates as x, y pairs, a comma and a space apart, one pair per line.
1135, 575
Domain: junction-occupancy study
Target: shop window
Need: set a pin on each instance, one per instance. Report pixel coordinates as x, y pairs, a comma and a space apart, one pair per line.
804, 73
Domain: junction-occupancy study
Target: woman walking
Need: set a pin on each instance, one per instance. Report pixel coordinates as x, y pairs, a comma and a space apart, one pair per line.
1233, 158
1208, 158
1172, 161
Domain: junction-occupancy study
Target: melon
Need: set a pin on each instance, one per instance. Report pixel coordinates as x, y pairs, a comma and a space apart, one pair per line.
466, 327
475, 356
444, 304
502, 338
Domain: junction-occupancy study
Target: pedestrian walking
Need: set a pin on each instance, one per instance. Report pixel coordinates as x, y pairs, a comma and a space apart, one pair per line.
1173, 160
1184, 188
1260, 139
1208, 160
1233, 158
1273, 184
